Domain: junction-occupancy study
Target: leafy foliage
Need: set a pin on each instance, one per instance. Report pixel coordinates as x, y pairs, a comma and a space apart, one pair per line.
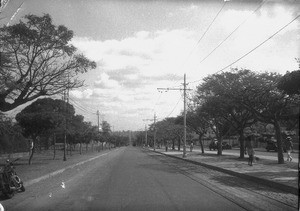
37, 60
44, 115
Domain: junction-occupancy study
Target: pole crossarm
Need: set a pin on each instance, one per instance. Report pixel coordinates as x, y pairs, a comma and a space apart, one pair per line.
181, 89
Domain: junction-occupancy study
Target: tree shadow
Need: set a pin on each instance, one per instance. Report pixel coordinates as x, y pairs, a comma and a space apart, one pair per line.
235, 182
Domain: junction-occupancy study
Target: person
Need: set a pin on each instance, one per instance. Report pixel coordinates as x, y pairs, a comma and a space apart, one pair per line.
250, 150
191, 146
289, 148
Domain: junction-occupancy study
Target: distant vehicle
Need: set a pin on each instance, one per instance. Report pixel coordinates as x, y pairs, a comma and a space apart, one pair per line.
272, 145
214, 145
225, 145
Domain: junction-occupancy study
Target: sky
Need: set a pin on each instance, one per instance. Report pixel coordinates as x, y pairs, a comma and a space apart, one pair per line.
142, 45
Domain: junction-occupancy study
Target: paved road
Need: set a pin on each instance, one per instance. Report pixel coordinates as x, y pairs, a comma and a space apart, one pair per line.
131, 179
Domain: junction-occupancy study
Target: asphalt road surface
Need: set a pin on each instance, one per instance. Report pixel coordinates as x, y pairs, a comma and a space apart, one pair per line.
134, 179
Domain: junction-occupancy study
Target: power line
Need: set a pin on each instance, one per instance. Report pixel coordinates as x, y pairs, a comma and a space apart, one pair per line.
212, 22
77, 105
254, 47
223, 5
173, 108
15, 13
260, 44
259, 6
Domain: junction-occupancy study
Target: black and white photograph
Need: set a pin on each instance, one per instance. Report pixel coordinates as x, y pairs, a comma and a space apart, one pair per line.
149, 105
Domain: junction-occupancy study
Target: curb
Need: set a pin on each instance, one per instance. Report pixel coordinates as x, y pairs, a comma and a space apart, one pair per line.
269, 183
52, 174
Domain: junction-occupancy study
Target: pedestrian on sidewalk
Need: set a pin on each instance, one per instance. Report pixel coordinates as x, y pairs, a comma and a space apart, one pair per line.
289, 148
191, 146
250, 150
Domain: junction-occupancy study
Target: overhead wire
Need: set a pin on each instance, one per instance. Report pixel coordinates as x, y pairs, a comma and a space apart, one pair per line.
77, 105
203, 35
240, 58
198, 42
87, 107
254, 11
259, 44
172, 109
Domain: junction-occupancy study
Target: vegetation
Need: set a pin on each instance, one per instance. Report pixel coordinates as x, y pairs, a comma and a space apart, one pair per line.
37, 60
238, 102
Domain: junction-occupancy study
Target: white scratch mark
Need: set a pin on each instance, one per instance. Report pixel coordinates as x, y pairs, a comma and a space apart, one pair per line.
63, 185
1, 207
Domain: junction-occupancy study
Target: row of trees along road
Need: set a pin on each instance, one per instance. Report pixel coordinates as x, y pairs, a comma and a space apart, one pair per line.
228, 103
49, 118
37, 60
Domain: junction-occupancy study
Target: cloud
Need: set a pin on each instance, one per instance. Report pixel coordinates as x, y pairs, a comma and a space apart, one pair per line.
105, 82
145, 50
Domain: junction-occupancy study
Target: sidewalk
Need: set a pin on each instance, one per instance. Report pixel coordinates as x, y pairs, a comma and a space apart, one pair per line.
43, 166
265, 170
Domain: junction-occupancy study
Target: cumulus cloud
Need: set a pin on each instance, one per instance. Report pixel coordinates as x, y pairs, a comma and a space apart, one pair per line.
144, 50
105, 82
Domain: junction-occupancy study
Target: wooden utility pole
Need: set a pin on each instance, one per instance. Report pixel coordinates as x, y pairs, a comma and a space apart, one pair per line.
154, 139
146, 143
184, 110
98, 114
65, 132
154, 120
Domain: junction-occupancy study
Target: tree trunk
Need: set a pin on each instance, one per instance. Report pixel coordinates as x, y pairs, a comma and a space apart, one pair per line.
220, 145
70, 149
242, 144
201, 143
54, 147
173, 144
80, 148
31, 156
179, 142
279, 142
31, 152
86, 147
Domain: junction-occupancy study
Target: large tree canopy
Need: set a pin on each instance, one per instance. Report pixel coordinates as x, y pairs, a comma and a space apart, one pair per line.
289, 83
37, 60
224, 91
44, 115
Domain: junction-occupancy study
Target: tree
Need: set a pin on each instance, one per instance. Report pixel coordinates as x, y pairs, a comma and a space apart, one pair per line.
106, 132
289, 83
217, 119
226, 89
11, 139
268, 104
42, 116
167, 129
196, 120
39, 61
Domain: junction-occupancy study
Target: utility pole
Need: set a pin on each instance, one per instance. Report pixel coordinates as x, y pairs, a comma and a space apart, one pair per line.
146, 136
65, 132
98, 121
184, 111
98, 129
154, 139
184, 117
154, 120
